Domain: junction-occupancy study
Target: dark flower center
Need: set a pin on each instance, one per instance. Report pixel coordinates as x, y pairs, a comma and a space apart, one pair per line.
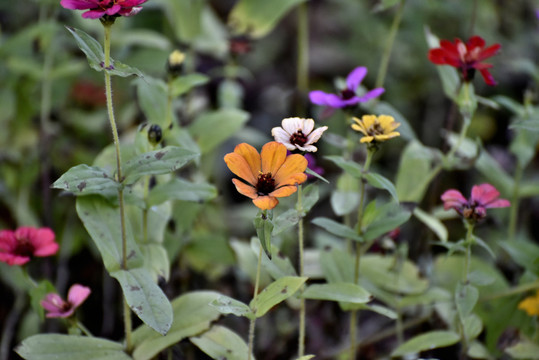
468, 72
265, 184
375, 129
347, 94
298, 138
24, 247
473, 211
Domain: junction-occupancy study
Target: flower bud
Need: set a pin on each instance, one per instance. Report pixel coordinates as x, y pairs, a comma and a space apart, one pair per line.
175, 63
155, 135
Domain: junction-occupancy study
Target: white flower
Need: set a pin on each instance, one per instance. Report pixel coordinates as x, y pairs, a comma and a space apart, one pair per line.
297, 133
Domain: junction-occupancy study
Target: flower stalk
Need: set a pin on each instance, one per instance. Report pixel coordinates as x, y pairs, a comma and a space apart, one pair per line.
255, 293
110, 110
302, 65
301, 338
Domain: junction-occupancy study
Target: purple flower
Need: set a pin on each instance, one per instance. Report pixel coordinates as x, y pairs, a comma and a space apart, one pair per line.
58, 308
99, 8
347, 96
483, 197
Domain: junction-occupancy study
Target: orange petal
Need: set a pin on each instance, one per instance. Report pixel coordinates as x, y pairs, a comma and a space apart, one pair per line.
250, 154
265, 202
297, 178
239, 166
245, 189
293, 164
284, 191
273, 155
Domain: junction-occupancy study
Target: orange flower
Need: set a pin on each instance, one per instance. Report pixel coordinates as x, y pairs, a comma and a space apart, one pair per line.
268, 175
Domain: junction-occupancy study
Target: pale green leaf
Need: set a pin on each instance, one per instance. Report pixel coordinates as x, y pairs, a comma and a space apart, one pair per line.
432, 223
179, 189
192, 315
145, 298
185, 83
348, 166
337, 229
85, 180
380, 182
523, 350
222, 343
274, 293
228, 305
69, 347
347, 292
162, 161
427, 341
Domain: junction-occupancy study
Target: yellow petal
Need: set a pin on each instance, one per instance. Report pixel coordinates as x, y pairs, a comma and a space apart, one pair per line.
273, 155
284, 191
360, 128
366, 139
265, 202
251, 156
293, 164
245, 189
368, 120
239, 166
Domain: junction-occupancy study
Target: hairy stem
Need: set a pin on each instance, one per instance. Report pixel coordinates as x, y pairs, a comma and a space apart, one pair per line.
255, 293
301, 339
116, 139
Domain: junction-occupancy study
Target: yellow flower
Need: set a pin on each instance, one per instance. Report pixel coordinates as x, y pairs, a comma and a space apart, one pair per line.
530, 304
268, 175
376, 128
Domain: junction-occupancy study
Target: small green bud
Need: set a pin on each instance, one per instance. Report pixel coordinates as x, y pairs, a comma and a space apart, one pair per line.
175, 63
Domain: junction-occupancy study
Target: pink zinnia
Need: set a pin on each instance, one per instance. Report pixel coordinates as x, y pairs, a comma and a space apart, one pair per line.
99, 8
17, 247
58, 308
483, 197
466, 57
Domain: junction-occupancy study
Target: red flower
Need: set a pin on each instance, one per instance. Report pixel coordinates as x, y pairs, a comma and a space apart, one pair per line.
466, 57
483, 197
99, 8
17, 247
58, 308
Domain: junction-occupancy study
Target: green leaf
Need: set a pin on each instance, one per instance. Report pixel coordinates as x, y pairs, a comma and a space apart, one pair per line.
38, 293
412, 178
186, 18
348, 166
427, 341
432, 223
213, 128
306, 357
179, 189
344, 202
156, 261
523, 350
96, 57
145, 298
510, 104
316, 175
431, 296
479, 351
257, 18
379, 309
285, 221
222, 343
192, 315
523, 253
528, 124
278, 266
346, 292
390, 217
380, 182
472, 326
185, 83
384, 108
86, 180
152, 98
337, 265
309, 197
228, 305
102, 221
384, 5
466, 297
494, 173
480, 278
524, 144
279, 290
264, 227
479, 242
337, 229
162, 161
69, 347
384, 272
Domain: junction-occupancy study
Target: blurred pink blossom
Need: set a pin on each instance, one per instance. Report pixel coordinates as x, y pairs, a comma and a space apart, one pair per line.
17, 247
483, 197
56, 307
99, 8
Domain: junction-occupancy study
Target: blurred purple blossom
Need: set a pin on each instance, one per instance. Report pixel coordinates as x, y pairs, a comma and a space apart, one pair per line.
347, 96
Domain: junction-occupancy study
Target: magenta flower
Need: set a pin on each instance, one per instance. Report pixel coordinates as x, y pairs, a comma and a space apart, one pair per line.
483, 197
17, 247
99, 8
58, 308
347, 96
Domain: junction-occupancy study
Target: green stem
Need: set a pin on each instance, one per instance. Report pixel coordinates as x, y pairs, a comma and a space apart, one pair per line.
303, 54
382, 71
116, 139
253, 320
512, 291
514, 202
355, 314
469, 242
301, 338
83, 328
